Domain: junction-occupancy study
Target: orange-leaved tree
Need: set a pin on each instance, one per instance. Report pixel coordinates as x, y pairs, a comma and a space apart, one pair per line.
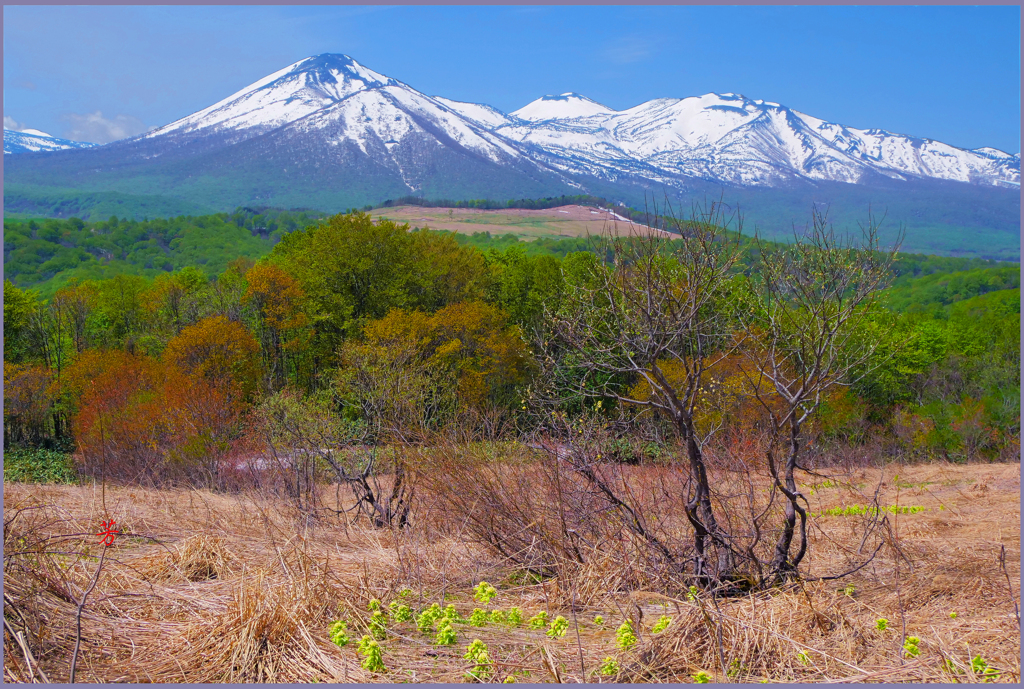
280, 322
219, 350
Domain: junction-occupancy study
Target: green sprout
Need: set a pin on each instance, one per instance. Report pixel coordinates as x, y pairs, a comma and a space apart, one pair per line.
661, 625
515, 617
701, 677
691, 595
372, 659
881, 624
499, 617
477, 652
803, 657
952, 615
452, 614
598, 620
425, 620
337, 634
849, 590
980, 667
378, 625
538, 621
559, 626
910, 646
484, 592
609, 667
509, 680
400, 612
374, 605
445, 633
478, 618
624, 636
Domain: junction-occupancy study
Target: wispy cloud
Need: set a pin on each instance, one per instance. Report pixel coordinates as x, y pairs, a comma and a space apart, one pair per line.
11, 123
630, 49
95, 128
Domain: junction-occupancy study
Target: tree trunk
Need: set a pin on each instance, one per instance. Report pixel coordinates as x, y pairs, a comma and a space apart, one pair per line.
782, 567
700, 512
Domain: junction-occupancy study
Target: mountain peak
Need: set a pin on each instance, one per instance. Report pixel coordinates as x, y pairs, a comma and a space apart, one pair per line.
562, 107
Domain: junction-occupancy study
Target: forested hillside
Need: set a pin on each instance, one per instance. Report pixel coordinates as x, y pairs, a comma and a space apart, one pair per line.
241, 309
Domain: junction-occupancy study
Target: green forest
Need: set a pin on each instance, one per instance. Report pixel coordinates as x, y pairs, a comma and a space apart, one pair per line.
380, 326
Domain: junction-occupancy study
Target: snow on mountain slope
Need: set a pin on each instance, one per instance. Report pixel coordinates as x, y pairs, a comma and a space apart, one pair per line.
285, 96
33, 141
483, 115
728, 137
565, 106
331, 102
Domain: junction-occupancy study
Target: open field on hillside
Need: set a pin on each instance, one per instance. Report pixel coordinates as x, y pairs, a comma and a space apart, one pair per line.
203, 587
564, 221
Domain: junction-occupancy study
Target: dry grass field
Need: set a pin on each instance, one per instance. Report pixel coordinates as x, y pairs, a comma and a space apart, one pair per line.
565, 221
203, 587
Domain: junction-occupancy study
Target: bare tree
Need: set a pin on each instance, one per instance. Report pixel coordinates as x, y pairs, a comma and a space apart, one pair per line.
808, 333
656, 315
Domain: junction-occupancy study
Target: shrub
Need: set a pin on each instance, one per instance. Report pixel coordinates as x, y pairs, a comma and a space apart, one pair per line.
37, 465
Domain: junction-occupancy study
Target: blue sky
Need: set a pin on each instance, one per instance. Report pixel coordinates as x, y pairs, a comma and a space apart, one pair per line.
946, 73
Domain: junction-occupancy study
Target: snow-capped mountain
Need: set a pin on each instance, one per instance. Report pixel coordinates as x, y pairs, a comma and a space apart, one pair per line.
33, 140
734, 139
331, 101
328, 133
332, 107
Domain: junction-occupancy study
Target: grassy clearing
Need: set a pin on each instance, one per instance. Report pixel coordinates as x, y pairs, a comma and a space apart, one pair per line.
205, 587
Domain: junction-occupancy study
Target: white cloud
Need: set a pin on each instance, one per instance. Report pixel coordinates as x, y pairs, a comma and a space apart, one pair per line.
11, 123
97, 129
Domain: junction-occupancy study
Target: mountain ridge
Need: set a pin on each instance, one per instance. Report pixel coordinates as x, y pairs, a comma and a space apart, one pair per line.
330, 133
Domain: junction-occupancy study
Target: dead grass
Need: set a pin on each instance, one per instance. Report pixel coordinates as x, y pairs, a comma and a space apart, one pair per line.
202, 587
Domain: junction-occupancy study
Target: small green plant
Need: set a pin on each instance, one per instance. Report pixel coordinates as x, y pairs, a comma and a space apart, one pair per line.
499, 617
864, 510
484, 592
400, 612
374, 605
445, 633
735, 668
979, 666
952, 615
849, 590
609, 667
373, 661
559, 626
691, 595
477, 652
950, 667
509, 680
538, 621
910, 646
378, 625
624, 636
803, 657
337, 633
881, 624
425, 620
478, 618
515, 617
598, 621
661, 625
701, 677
